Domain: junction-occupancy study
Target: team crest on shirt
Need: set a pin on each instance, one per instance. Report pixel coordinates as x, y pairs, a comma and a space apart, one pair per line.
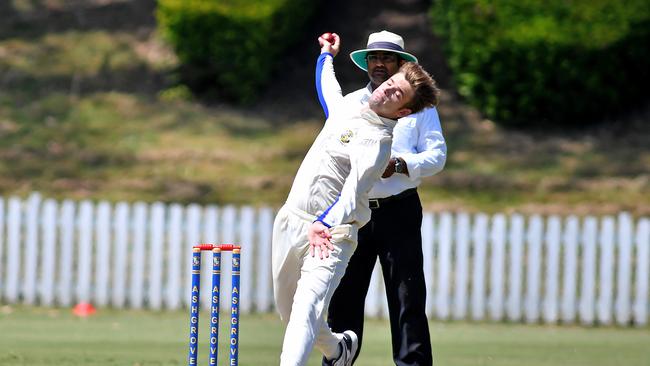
346, 136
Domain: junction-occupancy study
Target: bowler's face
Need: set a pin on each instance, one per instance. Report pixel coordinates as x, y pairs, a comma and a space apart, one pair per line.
390, 97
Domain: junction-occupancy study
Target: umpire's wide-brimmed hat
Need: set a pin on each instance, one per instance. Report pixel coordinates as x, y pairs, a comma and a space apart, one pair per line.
381, 41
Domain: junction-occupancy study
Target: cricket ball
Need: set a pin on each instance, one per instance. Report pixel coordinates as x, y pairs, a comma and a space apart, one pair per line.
329, 37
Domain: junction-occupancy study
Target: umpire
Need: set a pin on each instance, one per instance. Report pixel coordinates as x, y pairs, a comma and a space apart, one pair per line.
393, 232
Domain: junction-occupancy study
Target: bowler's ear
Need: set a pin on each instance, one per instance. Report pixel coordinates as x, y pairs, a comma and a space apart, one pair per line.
403, 112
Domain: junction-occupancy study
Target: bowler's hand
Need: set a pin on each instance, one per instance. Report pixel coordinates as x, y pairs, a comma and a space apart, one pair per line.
319, 238
327, 46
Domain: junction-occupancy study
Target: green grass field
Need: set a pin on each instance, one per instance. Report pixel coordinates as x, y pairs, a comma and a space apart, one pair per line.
37, 336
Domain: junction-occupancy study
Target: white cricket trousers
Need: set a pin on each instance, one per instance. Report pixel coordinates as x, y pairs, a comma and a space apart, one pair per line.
303, 285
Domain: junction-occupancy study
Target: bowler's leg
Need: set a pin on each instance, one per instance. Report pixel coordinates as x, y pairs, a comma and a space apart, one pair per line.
285, 264
306, 327
347, 307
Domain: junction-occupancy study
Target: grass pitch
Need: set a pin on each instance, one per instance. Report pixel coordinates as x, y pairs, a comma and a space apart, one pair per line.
37, 336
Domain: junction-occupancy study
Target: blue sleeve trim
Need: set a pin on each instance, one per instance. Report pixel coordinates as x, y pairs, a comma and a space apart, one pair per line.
321, 218
324, 223
319, 88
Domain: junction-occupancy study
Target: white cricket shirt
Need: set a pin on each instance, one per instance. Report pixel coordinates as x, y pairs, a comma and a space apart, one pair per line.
347, 158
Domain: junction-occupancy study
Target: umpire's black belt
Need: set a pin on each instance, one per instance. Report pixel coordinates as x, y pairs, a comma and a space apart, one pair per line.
378, 202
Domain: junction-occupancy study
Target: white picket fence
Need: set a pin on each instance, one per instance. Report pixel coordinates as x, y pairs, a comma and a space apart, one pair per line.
588, 270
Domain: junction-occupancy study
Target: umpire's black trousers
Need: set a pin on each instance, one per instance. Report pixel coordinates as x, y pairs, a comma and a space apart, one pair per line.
392, 235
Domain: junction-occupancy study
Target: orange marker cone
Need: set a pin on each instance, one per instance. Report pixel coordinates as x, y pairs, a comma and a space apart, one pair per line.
84, 309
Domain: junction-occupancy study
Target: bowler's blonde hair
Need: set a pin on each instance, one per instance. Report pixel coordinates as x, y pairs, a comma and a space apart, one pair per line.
425, 90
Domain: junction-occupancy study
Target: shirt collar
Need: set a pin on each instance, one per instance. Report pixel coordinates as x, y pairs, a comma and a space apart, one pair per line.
372, 117
369, 88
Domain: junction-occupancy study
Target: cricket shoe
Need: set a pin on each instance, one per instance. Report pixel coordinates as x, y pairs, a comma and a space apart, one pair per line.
349, 344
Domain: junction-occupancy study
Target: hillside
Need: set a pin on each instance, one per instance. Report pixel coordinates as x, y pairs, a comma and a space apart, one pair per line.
85, 112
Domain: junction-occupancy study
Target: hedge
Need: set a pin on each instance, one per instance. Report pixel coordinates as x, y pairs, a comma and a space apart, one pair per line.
540, 62
231, 46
